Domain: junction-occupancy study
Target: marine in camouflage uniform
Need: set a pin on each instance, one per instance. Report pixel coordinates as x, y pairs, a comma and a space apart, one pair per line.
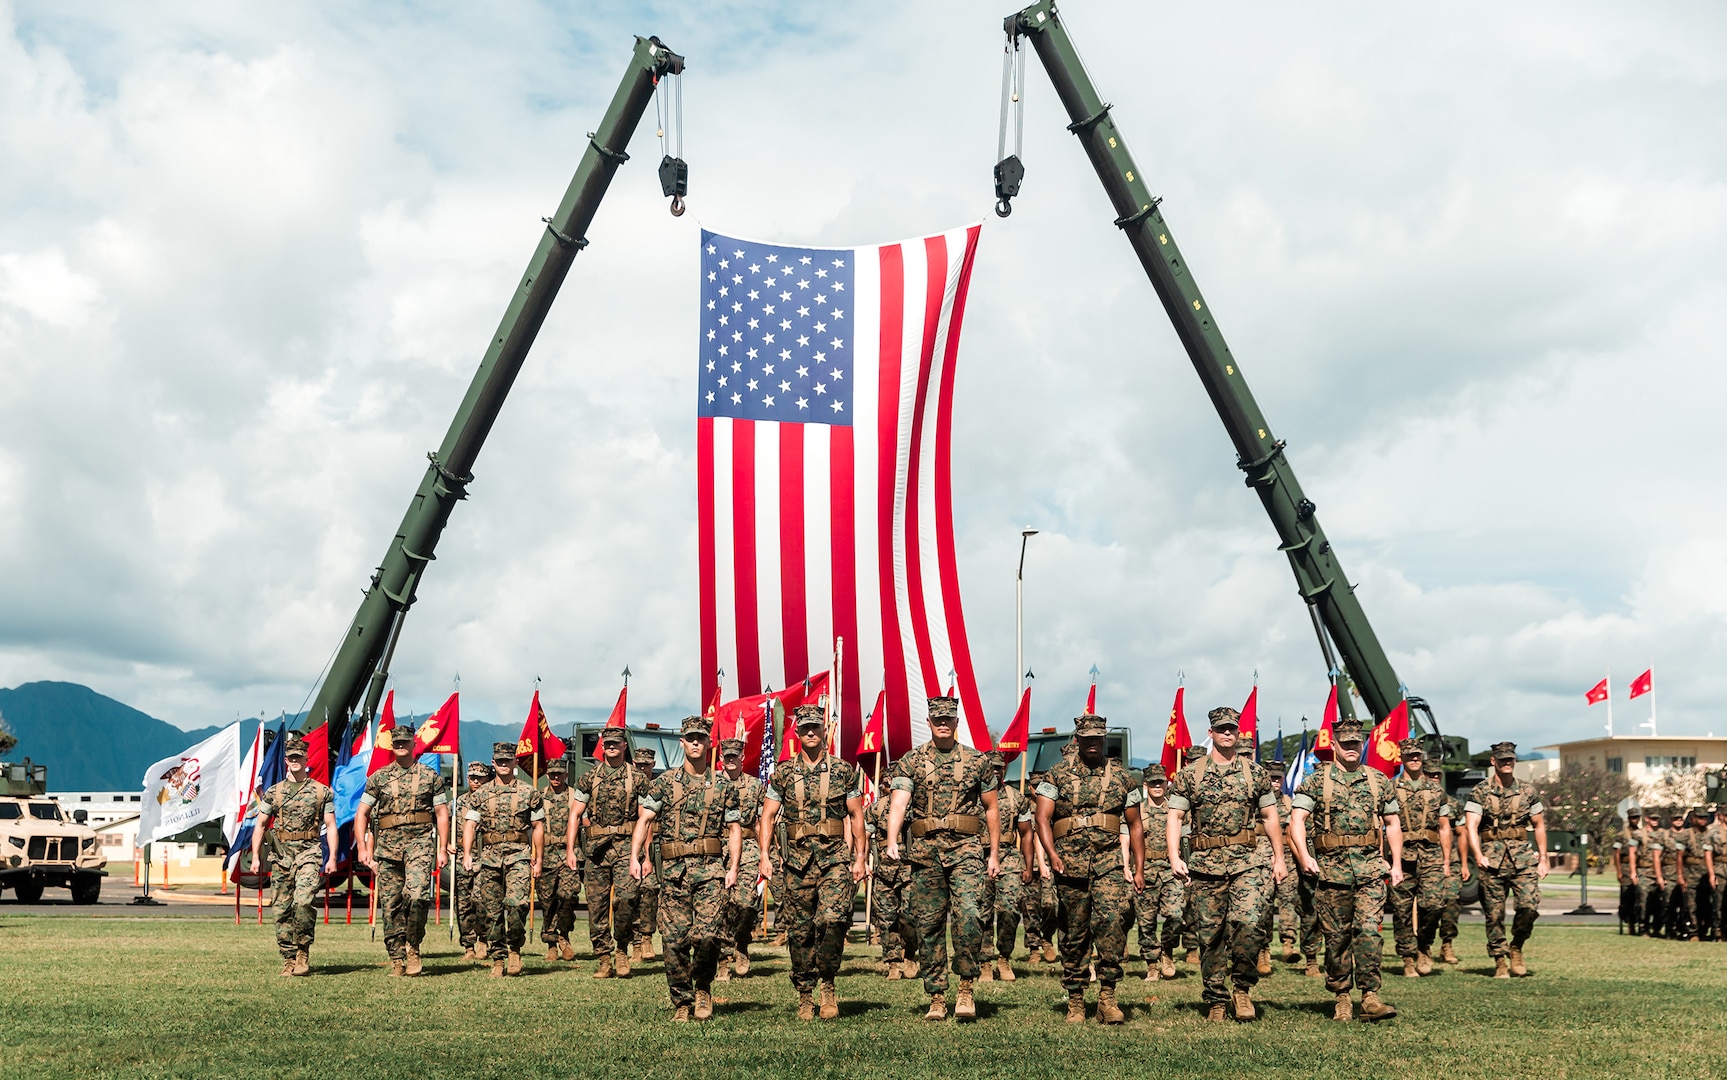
467, 905
944, 802
742, 909
1353, 811
1624, 863
301, 807
1673, 904
503, 838
1693, 871
610, 794
1500, 811
1081, 809
560, 884
648, 904
815, 793
1161, 899
701, 843
407, 806
1286, 895
1189, 918
1646, 847
889, 887
1458, 873
1425, 820
1718, 851
1006, 892
1042, 909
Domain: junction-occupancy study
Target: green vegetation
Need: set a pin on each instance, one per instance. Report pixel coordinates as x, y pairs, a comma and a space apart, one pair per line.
155, 997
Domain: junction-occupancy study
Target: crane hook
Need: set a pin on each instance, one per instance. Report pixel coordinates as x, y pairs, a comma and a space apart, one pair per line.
677, 206
1003, 208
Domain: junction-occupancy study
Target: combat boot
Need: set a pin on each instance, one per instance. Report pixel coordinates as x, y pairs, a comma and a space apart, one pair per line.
1312, 971
621, 963
468, 953
1050, 956
552, 952
1151, 970
288, 966
964, 1008
1290, 954
302, 961
937, 1007
396, 967
830, 1000
743, 964
1243, 1005
604, 971
806, 1005
1517, 965
780, 939
681, 1015
1193, 956
566, 951
704, 1005
1374, 1009
1166, 966
723, 973
414, 965
1501, 968
1447, 955
497, 967
1108, 1012
1215, 1013
1004, 970
1264, 965
895, 970
648, 950
1409, 971
1424, 963
1076, 1006
910, 968
987, 971
1344, 1009
480, 950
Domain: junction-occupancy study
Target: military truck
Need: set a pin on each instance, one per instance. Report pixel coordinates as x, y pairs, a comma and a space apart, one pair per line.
39, 846
584, 741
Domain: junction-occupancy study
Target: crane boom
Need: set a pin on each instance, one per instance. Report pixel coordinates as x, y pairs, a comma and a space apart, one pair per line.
1260, 454
376, 625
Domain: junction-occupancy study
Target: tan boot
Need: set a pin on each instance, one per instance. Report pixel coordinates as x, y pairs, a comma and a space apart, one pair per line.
480, 950
1151, 970
566, 951
895, 970
806, 1005
1243, 1006
514, 964
681, 1015
1374, 1009
704, 1005
1447, 955
1166, 966
1290, 954
552, 953
1409, 971
1108, 1012
1517, 965
1344, 1009
648, 950
1050, 956
1004, 970
302, 961
468, 953
1193, 956
1312, 971
723, 974
288, 966
937, 1007
1424, 963
830, 1000
1501, 968
1264, 965
604, 971
414, 966
396, 968
1076, 1006
497, 967
1215, 1014
621, 963
743, 964
964, 1008
987, 972
910, 968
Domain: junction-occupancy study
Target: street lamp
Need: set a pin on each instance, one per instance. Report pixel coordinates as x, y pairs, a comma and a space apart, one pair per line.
1019, 611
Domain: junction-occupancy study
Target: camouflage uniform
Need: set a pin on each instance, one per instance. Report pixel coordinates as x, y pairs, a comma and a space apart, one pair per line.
1005, 895
1162, 898
504, 817
1287, 893
609, 798
1090, 807
1230, 880
1453, 885
405, 846
892, 880
948, 849
1511, 859
467, 904
742, 908
819, 892
1346, 808
1422, 805
648, 903
1693, 875
1646, 847
696, 815
1624, 856
559, 888
297, 857
1718, 845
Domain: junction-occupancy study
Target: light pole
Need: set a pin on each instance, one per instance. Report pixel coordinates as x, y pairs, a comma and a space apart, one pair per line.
1019, 612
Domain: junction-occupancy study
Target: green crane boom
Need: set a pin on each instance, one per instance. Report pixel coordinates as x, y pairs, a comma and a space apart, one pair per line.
364, 653
1259, 454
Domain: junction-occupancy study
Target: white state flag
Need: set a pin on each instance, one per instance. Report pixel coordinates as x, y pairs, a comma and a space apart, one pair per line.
191, 787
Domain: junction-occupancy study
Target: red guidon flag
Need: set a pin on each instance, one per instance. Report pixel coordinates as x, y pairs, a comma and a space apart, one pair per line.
537, 745
874, 739
748, 718
1090, 700
382, 755
1597, 693
318, 753
825, 393
1013, 740
1323, 747
1175, 736
1382, 752
1250, 719
1643, 683
442, 731
617, 719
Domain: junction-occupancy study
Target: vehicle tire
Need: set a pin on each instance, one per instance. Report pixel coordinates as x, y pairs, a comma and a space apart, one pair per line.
86, 890
29, 892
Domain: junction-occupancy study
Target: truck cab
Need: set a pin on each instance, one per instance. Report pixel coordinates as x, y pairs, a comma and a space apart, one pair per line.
584, 743
1043, 750
40, 846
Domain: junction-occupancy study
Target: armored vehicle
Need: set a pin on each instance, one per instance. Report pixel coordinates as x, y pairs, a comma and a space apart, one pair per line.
39, 845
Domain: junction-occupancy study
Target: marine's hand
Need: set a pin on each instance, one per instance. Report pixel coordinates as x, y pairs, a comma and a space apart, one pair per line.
767, 870
994, 867
441, 858
330, 864
1056, 865
1542, 868
1396, 876
1309, 864
860, 868
1178, 867
572, 861
892, 854
1279, 869
536, 867
731, 876
637, 870
1025, 875
1139, 882
468, 863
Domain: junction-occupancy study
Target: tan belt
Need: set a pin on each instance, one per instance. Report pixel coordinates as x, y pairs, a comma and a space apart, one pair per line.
292, 835
517, 837
1503, 834
598, 832
1422, 836
1334, 841
712, 845
390, 821
834, 827
1107, 822
1208, 843
966, 824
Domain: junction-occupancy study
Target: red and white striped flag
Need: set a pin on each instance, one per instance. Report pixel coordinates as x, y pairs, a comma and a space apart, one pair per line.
823, 446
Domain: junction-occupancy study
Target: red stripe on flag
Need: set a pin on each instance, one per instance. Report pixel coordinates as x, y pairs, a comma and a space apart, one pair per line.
794, 612
887, 450
705, 554
935, 285
842, 572
744, 554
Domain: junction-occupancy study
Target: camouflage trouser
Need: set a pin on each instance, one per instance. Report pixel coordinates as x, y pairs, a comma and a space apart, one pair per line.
935, 891
887, 910
1094, 915
1719, 895
1696, 899
1349, 917
404, 883
558, 891
612, 896
1228, 912
1628, 903
1162, 899
505, 875
1524, 886
1453, 892
1650, 897
648, 915
1306, 895
694, 902
818, 911
467, 907
1675, 907
294, 884
1040, 911
1424, 887
741, 907
1007, 902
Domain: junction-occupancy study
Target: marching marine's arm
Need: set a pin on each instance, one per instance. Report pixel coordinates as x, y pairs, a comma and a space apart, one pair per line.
896, 809
1298, 836
992, 815
860, 852
1539, 820
1136, 840
1394, 844
638, 840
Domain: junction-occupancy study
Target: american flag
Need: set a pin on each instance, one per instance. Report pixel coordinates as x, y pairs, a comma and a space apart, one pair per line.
823, 417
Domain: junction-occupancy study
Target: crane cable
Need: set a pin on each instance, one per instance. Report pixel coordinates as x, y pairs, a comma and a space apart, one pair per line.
1010, 170
669, 112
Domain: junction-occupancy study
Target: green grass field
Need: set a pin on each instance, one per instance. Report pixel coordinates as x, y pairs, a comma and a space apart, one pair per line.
191, 997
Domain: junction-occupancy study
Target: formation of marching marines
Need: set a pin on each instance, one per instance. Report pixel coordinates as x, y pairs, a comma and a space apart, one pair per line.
1205, 862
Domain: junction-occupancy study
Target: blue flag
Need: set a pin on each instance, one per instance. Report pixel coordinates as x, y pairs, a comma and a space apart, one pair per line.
272, 769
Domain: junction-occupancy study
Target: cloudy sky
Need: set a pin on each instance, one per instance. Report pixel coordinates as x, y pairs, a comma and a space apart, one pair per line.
1472, 263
